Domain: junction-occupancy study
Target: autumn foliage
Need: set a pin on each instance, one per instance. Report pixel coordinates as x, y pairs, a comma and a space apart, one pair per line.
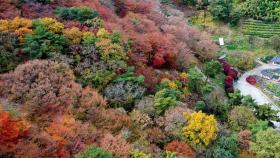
85, 48
231, 75
181, 148
11, 130
201, 129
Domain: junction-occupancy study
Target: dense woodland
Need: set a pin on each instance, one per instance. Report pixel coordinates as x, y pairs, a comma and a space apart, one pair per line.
132, 78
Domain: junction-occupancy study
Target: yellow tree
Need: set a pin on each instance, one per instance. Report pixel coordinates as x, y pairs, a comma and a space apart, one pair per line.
52, 24
74, 35
20, 26
201, 129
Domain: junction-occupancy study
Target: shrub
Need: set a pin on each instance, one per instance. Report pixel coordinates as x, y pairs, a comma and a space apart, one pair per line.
235, 16
266, 113
8, 9
241, 117
89, 69
274, 42
94, 152
181, 148
201, 129
174, 120
242, 60
88, 100
244, 139
223, 10
125, 90
88, 38
18, 23
81, 14
110, 119
200, 106
267, 143
139, 154
43, 43
20, 26
140, 119
248, 101
188, 2
40, 86
262, 10
216, 102
155, 135
129, 76
51, 24
4, 25
229, 83
71, 135
146, 105
11, 130
74, 35
227, 146
110, 51
195, 79
222, 153
116, 144
169, 154
44, 1
123, 94
212, 68
98, 79
164, 99
95, 23
235, 98
258, 126
9, 53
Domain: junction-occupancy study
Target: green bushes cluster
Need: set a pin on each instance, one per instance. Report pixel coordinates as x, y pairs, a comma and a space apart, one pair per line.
169, 91
226, 147
125, 90
43, 43
266, 10
94, 152
81, 14
212, 68
197, 81
9, 52
224, 10
165, 99
230, 11
129, 76
188, 2
267, 143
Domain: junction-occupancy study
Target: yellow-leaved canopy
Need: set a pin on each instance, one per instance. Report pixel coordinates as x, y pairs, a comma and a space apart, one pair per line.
201, 129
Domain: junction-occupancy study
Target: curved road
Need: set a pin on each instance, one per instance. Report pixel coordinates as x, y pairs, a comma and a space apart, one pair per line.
248, 89
257, 94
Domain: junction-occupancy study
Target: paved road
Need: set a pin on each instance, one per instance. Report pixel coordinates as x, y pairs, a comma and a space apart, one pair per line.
257, 94
248, 89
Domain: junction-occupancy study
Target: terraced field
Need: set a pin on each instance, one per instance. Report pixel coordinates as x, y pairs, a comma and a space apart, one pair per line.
261, 29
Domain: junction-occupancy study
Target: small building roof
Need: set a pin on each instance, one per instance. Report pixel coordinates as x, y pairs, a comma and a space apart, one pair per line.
276, 59
275, 77
267, 73
277, 71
